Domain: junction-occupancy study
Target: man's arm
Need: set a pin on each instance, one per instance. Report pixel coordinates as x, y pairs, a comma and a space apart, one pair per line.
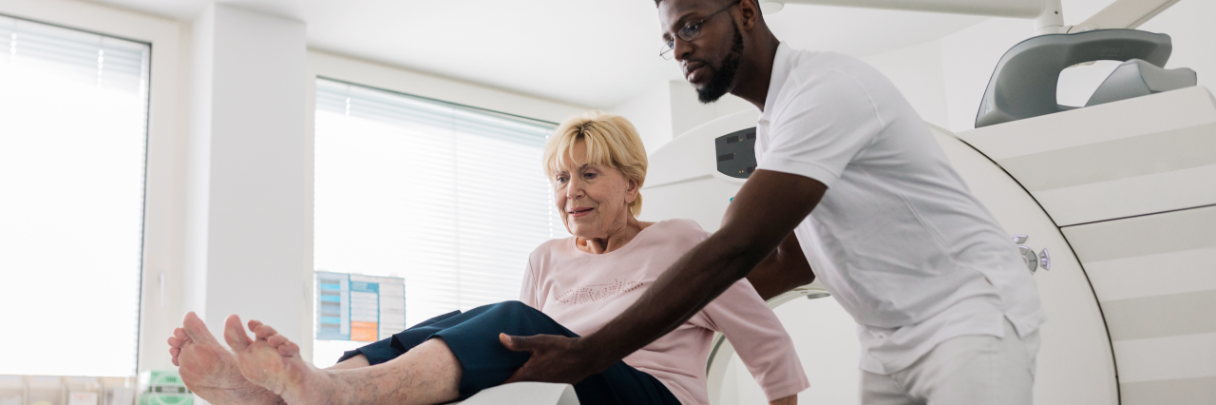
763, 214
783, 270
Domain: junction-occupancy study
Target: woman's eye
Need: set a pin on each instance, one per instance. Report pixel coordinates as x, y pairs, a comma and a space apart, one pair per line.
589, 175
561, 179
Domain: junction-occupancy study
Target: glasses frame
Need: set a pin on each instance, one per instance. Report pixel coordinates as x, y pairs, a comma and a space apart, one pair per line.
669, 45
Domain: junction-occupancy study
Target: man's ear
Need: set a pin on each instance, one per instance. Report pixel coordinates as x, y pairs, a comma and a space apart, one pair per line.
750, 9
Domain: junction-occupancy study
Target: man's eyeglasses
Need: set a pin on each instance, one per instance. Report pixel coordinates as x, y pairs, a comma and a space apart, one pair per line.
688, 32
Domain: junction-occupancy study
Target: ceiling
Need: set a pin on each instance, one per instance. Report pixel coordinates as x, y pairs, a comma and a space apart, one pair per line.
594, 53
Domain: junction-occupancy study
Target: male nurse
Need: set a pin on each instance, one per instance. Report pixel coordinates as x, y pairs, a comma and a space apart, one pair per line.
850, 183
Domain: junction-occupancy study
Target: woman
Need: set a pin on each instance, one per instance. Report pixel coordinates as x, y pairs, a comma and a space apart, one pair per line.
597, 164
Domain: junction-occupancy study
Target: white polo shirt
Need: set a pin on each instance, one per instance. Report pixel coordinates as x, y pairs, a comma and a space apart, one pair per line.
898, 239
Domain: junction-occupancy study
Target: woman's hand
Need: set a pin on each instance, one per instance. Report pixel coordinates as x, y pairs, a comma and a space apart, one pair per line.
790, 400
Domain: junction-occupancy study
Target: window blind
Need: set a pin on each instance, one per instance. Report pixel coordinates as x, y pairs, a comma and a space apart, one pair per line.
109, 63
73, 127
449, 197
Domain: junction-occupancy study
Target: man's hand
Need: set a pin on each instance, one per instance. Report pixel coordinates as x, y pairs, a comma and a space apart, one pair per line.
555, 359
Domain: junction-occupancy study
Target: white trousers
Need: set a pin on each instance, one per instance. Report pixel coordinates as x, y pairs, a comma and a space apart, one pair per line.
966, 370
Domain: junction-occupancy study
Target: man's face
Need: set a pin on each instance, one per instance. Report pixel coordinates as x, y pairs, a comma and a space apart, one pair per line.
711, 59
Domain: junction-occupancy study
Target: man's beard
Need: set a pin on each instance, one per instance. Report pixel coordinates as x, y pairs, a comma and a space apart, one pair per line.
724, 75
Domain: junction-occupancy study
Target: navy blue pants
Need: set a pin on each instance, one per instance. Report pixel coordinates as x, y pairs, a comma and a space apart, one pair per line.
473, 338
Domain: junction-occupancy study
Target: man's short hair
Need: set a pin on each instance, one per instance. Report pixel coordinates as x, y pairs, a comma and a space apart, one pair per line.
656, 2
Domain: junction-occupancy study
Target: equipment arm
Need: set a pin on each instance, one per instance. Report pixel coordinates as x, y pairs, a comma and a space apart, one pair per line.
1124, 14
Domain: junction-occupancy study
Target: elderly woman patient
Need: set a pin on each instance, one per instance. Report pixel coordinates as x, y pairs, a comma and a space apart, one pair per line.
596, 164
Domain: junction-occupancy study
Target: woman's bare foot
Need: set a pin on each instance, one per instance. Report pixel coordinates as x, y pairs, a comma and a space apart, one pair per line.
274, 363
210, 370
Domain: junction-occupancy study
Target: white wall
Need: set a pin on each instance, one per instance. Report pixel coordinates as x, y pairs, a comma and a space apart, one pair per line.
650, 113
688, 113
246, 240
917, 71
668, 109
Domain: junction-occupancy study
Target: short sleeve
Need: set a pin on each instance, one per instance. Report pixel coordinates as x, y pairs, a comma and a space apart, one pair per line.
528, 289
759, 339
819, 127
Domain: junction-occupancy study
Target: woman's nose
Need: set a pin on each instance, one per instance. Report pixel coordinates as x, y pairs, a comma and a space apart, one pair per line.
574, 189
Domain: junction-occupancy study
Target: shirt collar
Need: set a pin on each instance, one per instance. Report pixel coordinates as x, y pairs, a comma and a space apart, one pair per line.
781, 71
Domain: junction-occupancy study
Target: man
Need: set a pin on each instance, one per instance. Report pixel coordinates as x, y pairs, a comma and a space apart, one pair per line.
849, 176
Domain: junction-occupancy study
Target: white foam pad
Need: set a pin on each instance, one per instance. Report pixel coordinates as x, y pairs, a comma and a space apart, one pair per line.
526, 393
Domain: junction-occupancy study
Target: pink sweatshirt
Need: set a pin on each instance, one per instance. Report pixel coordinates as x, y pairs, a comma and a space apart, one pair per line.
583, 291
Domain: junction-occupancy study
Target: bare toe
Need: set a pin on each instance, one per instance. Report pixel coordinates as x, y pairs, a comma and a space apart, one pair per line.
254, 323
196, 329
264, 331
289, 349
235, 334
276, 340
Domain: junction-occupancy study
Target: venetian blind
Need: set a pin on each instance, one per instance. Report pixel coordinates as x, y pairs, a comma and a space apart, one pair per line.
449, 197
73, 130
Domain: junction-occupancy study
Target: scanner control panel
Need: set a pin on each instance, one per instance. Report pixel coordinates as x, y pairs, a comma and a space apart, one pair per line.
737, 153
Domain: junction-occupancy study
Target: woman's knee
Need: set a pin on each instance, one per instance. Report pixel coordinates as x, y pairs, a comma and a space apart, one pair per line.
516, 307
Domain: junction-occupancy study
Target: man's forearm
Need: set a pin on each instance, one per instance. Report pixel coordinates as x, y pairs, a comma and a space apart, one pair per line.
690, 284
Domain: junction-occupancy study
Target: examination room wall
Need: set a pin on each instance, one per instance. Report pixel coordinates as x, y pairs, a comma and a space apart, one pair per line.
665, 110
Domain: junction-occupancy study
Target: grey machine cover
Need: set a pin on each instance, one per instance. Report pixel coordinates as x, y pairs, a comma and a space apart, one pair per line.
1136, 78
1024, 82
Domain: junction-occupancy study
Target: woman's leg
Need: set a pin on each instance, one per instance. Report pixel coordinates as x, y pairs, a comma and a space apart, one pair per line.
428, 374
385, 350
447, 360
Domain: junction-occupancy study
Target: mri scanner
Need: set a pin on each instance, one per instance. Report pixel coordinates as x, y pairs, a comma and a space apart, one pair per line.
1113, 206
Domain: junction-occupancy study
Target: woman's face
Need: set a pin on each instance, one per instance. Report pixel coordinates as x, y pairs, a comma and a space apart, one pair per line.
593, 199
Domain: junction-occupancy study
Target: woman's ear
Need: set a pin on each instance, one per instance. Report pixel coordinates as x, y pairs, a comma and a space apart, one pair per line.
631, 191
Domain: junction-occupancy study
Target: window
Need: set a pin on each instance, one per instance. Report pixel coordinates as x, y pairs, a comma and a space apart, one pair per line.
448, 197
73, 130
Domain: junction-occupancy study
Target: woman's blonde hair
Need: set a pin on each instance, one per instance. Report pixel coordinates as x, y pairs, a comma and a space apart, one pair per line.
611, 141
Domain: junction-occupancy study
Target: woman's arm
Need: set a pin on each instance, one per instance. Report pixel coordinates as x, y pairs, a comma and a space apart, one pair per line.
759, 339
783, 270
790, 400
528, 288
